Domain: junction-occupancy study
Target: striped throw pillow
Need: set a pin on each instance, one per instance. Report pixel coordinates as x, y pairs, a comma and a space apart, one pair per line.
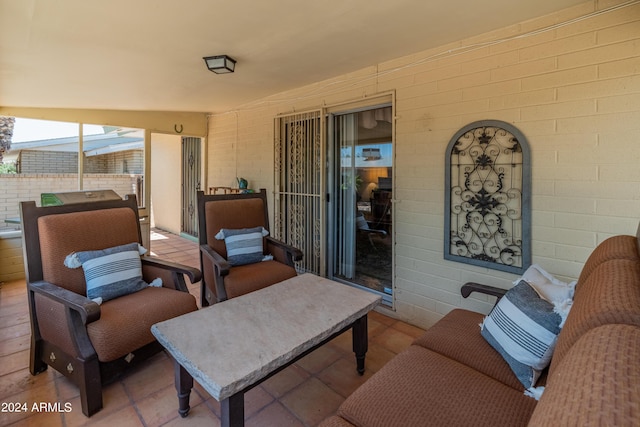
524, 329
112, 272
244, 246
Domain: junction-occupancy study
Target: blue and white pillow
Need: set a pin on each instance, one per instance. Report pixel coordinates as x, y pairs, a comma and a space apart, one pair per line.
524, 329
547, 286
245, 245
112, 272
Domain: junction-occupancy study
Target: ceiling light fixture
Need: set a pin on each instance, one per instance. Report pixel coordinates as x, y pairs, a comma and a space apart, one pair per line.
220, 64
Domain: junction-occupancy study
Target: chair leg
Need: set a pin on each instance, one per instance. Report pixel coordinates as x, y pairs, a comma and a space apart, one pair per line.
371, 241
36, 365
90, 387
204, 301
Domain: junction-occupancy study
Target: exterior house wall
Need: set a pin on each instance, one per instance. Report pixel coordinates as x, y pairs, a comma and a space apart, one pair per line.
166, 181
36, 161
570, 82
129, 161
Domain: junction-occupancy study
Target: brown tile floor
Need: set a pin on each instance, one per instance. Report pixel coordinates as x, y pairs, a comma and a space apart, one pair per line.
301, 395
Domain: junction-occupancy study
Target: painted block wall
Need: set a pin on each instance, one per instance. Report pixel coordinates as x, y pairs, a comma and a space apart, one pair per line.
34, 161
570, 82
166, 196
15, 188
11, 263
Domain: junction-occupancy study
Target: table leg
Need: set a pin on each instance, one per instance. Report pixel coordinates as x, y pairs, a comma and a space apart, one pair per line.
232, 411
360, 342
184, 384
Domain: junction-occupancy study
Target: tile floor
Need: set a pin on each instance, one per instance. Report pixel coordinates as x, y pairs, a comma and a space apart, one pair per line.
301, 395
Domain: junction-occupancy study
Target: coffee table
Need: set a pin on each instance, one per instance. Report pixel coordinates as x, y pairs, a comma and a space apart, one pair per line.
232, 346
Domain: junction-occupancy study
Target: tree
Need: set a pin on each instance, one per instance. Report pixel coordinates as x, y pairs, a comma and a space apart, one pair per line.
6, 133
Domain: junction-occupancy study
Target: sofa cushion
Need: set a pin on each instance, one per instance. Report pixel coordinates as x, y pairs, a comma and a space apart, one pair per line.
245, 245
125, 323
232, 214
62, 234
616, 247
248, 278
422, 387
610, 294
335, 421
597, 383
457, 336
523, 328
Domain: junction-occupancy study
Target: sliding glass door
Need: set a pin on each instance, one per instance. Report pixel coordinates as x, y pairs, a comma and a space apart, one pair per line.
360, 196
344, 195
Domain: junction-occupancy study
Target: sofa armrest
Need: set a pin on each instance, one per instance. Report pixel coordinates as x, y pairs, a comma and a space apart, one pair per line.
88, 310
282, 252
470, 287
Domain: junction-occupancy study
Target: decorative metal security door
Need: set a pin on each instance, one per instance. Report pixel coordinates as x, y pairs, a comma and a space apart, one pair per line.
190, 184
300, 185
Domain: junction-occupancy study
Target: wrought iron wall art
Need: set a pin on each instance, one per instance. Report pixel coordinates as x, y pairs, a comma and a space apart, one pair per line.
487, 197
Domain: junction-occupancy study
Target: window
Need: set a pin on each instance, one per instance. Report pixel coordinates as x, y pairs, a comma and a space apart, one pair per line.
50, 157
487, 197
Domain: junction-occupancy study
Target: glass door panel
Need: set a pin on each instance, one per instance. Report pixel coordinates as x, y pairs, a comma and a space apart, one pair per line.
361, 191
114, 159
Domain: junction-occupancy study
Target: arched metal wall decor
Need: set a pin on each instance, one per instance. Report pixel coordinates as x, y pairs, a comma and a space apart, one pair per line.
487, 197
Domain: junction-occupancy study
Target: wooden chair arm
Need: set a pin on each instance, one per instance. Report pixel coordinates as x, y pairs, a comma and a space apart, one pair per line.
292, 254
193, 274
470, 287
221, 268
88, 310
172, 274
222, 265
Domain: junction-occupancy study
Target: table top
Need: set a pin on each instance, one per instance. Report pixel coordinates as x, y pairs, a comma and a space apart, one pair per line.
232, 345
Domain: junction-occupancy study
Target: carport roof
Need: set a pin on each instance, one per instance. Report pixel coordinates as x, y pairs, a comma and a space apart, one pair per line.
92, 145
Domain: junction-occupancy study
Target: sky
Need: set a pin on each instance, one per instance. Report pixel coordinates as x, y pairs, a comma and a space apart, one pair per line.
35, 130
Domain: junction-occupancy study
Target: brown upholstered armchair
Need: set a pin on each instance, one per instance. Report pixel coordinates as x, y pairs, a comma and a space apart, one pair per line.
89, 343
221, 279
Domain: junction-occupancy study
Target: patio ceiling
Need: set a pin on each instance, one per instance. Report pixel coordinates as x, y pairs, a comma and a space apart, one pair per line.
147, 55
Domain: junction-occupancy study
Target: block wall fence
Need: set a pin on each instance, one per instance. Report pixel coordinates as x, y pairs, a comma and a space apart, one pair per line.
15, 188
570, 82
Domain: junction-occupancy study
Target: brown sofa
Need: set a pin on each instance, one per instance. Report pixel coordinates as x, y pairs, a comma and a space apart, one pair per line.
451, 376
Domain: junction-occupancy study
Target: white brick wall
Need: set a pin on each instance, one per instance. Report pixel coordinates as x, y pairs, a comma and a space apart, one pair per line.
15, 188
34, 161
11, 265
573, 91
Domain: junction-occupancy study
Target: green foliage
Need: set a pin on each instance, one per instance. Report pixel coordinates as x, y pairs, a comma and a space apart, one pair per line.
8, 168
6, 132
